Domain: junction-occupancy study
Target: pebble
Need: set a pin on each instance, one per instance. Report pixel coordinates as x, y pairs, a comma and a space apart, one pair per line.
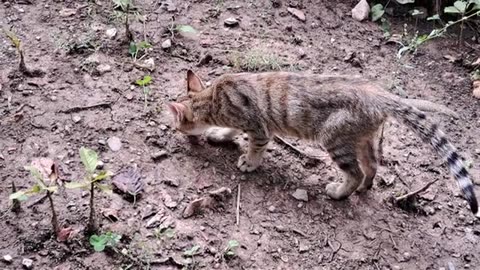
271, 208
111, 33
53, 98
100, 164
7, 258
160, 154
301, 195
114, 143
167, 44
102, 142
129, 96
230, 22
103, 68
38, 37
76, 118
361, 11
297, 13
27, 263
407, 256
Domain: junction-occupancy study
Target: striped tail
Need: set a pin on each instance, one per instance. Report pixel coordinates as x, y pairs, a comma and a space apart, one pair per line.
429, 132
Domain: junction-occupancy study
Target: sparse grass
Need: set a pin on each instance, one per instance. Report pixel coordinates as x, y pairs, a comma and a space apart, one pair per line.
259, 61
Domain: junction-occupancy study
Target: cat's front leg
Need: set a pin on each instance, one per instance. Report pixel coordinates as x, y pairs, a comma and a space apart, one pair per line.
257, 144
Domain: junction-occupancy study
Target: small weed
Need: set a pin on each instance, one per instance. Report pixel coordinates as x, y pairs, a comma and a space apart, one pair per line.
100, 242
231, 249
138, 49
18, 46
40, 187
147, 80
92, 180
191, 252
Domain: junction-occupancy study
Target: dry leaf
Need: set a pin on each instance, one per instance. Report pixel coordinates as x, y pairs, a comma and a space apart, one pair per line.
64, 234
129, 182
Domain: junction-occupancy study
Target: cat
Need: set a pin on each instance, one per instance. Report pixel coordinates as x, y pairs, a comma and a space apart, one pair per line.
343, 113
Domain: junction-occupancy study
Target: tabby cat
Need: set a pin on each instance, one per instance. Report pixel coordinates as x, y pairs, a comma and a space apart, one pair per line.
343, 113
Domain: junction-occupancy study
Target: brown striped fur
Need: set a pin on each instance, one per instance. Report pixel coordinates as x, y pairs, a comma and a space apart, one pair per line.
343, 113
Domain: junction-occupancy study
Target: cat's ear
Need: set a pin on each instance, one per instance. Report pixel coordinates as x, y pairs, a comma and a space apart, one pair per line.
178, 111
194, 84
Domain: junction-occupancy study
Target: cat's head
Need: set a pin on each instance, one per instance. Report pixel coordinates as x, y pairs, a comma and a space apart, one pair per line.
182, 110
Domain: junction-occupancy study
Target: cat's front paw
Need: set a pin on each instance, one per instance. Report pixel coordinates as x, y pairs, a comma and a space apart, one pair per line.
247, 165
335, 191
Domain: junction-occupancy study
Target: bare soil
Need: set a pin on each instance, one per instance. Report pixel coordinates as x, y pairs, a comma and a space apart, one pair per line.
45, 117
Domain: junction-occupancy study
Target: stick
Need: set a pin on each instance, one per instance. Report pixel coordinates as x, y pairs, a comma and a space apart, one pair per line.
295, 149
83, 108
238, 205
408, 195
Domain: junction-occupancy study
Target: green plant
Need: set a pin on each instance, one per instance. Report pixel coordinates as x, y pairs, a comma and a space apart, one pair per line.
18, 46
231, 249
122, 8
92, 180
161, 233
376, 12
463, 7
256, 60
41, 186
139, 48
100, 242
147, 80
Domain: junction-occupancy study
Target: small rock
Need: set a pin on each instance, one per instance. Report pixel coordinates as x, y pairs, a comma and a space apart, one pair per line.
167, 44
406, 256
154, 221
168, 5
430, 210
38, 38
103, 68
114, 144
476, 89
172, 182
129, 96
148, 211
27, 263
53, 98
271, 208
149, 64
100, 164
102, 142
297, 13
303, 247
111, 33
230, 22
159, 155
8, 258
361, 11
301, 195
67, 12
168, 201
76, 118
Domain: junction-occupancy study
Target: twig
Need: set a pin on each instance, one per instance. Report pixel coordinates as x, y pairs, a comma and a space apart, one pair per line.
408, 195
238, 205
40, 200
295, 149
15, 202
83, 108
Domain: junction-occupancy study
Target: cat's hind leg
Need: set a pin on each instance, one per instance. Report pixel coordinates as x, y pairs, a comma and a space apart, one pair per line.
368, 163
345, 155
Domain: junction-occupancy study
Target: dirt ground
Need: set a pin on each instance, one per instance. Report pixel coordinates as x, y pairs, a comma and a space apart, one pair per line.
46, 117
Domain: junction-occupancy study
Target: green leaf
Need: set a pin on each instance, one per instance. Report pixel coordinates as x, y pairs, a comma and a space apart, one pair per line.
403, 2
52, 189
185, 29
19, 195
34, 172
102, 175
475, 3
434, 18
13, 38
452, 10
75, 185
147, 79
461, 6
192, 251
169, 233
144, 45
233, 244
386, 28
377, 12
89, 159
35, 189
132, 49
98, 242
